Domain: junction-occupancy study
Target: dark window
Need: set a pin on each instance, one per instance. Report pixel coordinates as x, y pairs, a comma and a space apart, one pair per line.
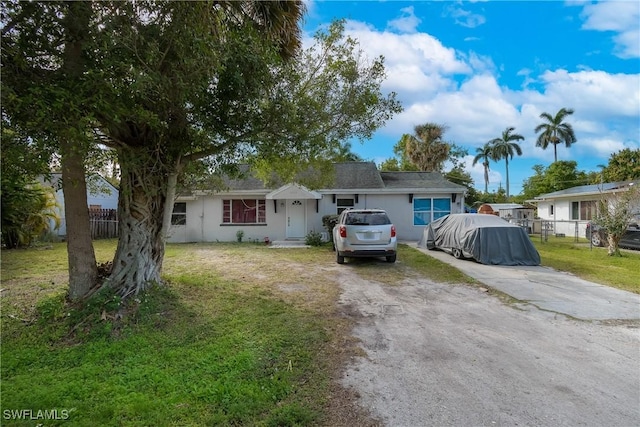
243, 211
179, 215
575, 210
342, 204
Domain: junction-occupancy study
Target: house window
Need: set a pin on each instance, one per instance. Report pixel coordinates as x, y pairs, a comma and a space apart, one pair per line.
342, 204
588, 210
430, 209
179, 214
244, 211
550, 209
575, 210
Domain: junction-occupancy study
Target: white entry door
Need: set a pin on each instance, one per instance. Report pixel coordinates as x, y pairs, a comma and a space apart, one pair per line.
295, 219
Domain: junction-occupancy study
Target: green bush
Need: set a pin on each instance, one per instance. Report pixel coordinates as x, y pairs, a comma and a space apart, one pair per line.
313, 238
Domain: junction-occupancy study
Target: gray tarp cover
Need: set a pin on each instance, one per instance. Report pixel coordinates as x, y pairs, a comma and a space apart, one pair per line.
486, 238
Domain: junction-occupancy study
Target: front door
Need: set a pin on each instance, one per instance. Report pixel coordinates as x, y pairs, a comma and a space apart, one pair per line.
295, 219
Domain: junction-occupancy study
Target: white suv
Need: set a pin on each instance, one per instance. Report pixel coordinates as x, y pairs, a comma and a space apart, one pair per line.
364, 233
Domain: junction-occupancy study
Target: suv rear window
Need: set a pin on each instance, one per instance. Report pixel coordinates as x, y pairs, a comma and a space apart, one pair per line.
367, 218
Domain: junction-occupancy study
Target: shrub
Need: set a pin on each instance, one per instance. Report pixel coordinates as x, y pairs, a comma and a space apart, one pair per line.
313, 238
239, 235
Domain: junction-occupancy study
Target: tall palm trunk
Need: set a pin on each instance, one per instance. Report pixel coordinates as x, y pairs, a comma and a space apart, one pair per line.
506, 160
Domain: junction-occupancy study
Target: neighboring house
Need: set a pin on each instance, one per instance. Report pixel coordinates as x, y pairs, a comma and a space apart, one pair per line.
291, 211
101, 194
570, 209
510, 211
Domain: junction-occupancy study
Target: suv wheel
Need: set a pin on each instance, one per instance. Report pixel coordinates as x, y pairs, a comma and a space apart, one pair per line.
339, 258
391, 258
596, 240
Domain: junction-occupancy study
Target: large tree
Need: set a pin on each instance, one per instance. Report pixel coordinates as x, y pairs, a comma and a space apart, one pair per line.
555, 130
182, 81
484, 153
505, 148
557, 176
46, 89
622, 166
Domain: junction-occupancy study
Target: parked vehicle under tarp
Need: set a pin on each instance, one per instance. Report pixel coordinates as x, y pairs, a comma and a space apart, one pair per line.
487, 239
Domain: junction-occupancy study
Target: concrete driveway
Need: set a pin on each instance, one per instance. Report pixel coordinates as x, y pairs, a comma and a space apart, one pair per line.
550, 290
438, 354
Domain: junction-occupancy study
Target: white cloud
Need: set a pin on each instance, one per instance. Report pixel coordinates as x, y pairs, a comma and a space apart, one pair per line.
621, 17
407, 23
462, 90
464, 17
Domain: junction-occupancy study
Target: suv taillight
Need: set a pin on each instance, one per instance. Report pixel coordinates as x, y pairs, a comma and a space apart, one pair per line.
343, 231
393, 231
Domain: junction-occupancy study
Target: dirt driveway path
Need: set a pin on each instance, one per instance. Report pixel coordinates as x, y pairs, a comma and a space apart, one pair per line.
442, 355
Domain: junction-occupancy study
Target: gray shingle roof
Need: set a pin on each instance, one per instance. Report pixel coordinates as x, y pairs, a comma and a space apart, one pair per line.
418, 180
359, 175
586, 189
352, 175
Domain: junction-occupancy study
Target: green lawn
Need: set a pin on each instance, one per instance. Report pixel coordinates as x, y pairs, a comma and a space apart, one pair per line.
241, 335
591, 263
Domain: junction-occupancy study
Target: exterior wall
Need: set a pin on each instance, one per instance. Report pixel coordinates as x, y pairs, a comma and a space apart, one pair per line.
204, 217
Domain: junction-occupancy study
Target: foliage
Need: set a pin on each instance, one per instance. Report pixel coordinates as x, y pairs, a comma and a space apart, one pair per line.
425, 149
328, 95
554, 130
330, 221
239, 236
504, 148
313, 238
622, 166
615, 212
557, 176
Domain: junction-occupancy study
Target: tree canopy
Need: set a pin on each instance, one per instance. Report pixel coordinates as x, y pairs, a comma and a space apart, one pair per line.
622, 166
168, 83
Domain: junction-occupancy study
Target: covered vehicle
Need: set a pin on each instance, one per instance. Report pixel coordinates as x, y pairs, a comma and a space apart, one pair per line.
487, 239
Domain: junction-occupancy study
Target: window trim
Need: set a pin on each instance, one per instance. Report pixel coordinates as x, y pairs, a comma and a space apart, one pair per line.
433, 211
260, 206
179, 218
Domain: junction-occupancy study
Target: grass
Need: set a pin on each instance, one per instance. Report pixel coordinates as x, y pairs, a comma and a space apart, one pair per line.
215, 347
593, 264
240, 335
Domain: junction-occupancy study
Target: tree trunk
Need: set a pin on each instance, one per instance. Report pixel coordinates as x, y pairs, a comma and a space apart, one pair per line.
506, 159
138, 260
83, 271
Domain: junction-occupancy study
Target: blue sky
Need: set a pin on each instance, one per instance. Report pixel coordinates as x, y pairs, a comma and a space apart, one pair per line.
479, 67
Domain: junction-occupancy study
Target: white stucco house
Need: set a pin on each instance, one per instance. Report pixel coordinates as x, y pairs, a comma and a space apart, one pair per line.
291, 211
569, 210
101, 194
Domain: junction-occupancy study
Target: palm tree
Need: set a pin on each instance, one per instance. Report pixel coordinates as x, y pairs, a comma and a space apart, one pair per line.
555, 131
426, 149
485, 154
504, 148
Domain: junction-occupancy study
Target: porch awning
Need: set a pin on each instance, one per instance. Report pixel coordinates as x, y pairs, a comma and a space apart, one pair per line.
293, 191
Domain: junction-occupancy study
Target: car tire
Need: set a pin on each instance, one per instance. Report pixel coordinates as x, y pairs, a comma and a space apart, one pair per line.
391, 258
339, 258
457, 253
596, 240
